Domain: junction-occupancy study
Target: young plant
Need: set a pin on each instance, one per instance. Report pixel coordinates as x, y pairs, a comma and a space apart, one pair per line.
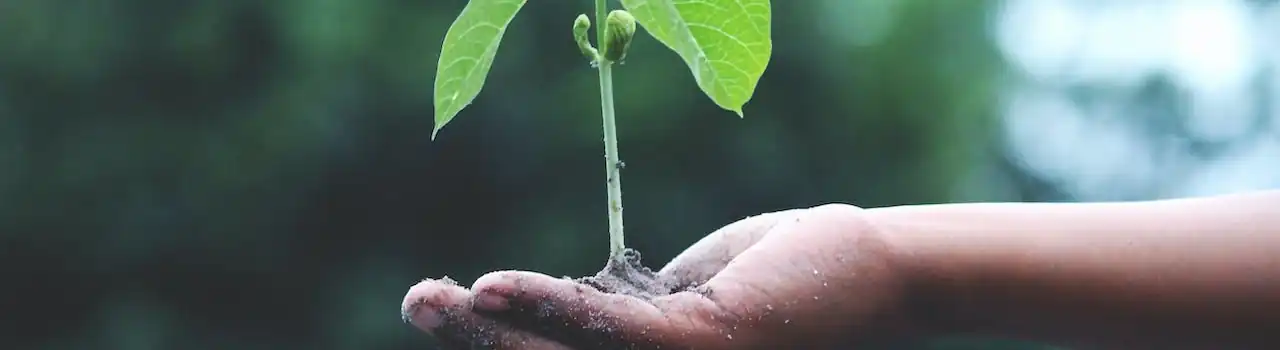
725, 43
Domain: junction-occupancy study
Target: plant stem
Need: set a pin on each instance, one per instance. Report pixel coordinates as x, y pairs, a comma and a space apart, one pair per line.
612, 164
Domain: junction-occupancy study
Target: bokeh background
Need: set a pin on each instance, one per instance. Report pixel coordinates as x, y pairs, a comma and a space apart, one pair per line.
236, 174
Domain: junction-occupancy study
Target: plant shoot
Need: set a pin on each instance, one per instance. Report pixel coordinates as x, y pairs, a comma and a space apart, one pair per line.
726, 44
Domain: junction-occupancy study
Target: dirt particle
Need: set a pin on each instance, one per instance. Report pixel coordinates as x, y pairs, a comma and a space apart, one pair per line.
457, 331
703, 290
628, 276
546, 309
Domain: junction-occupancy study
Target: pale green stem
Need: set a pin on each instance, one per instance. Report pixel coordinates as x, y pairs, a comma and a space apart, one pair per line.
612, 164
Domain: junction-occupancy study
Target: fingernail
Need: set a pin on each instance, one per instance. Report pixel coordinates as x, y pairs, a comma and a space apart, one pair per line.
422, 316
490, 301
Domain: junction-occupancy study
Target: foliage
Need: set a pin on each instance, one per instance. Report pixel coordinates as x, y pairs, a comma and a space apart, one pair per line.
468, 52
726, 44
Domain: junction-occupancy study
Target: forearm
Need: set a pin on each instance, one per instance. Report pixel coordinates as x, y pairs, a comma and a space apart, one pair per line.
1199, 272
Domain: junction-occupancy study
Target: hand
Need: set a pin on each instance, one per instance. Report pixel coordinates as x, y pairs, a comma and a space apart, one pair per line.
808, 278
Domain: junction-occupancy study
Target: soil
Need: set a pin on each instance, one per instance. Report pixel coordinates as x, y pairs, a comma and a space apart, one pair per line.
628, 276
625, 275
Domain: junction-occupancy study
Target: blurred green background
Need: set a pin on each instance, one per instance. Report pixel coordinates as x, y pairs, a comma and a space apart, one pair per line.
233, 174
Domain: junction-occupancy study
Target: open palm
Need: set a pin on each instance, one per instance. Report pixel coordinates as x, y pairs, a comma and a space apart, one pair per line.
807, 278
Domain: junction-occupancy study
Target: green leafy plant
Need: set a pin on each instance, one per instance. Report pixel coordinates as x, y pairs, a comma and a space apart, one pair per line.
725, 43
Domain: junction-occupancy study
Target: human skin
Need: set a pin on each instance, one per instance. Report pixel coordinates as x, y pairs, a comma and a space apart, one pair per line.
1191, 273
1195, 273
813, 278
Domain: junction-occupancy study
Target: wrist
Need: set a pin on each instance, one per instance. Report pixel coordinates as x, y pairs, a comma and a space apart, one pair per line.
992, 269
976, 269
930, 306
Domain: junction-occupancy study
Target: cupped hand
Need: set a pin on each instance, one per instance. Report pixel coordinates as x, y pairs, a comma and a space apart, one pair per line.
807, 278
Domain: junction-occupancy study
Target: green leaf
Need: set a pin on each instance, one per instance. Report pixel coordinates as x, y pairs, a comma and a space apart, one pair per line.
725, 43
467, 55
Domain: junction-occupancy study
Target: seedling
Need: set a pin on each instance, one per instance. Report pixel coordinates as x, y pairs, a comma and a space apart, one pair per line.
725, 43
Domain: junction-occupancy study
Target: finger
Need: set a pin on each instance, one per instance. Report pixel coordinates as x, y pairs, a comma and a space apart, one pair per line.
577, 315
443, 309
708, 256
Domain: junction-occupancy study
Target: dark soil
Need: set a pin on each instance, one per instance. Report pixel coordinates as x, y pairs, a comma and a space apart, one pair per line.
629, 277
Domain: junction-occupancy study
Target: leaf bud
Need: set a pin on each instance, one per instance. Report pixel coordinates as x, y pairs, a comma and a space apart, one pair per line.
581, 29
620, 28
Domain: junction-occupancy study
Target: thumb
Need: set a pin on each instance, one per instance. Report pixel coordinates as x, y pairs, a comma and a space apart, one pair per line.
705, 258
580, 316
